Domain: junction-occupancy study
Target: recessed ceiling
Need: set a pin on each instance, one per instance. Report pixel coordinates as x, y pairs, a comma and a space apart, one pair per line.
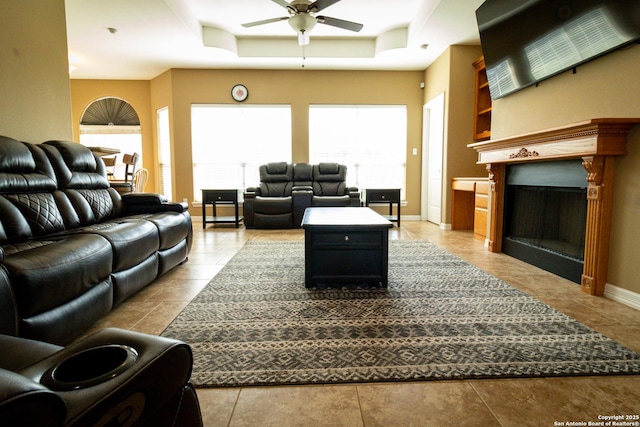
124, 39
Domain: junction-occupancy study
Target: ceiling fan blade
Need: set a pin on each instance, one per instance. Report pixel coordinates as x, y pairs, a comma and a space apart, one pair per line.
285, 5
318, 5
264, 21
340, 23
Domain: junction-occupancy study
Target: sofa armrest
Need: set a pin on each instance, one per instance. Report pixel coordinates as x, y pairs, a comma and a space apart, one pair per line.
354, 196
302, 198
26, 402
8, 307
150, 203
153, 384
252, 192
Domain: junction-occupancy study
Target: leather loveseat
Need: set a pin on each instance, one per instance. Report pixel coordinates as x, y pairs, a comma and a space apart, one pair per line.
286, 190
72, 248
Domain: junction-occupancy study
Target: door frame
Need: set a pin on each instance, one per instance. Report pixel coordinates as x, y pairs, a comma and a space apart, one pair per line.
437, 102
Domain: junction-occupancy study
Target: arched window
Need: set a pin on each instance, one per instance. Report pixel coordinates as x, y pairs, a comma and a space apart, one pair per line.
110, 112
112, 123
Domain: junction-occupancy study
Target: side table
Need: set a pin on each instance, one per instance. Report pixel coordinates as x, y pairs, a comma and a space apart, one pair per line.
220, 197
388, 196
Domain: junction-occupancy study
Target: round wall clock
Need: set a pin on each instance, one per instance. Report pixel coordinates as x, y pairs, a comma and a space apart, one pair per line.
239, 92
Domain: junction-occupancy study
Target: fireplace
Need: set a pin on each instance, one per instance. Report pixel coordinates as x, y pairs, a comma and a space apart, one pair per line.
545, 216
594, 144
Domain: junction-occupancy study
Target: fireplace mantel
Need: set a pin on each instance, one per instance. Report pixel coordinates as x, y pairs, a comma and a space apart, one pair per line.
597, 142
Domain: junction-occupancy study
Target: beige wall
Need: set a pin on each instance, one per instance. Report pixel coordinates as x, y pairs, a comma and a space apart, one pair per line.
606, 87
34, 71
297, 88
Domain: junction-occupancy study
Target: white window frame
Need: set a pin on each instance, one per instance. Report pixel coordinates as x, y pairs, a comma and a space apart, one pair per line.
372, 146
164, 152
229, 147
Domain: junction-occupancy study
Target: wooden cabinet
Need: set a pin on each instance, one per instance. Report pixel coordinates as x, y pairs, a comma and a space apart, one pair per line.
470, 205
482, 105
345, 245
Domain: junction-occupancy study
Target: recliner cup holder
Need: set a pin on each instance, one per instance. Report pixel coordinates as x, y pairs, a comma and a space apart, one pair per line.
90, 367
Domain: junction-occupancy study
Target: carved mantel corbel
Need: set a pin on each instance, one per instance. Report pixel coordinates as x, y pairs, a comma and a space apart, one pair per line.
600, 178
497, 182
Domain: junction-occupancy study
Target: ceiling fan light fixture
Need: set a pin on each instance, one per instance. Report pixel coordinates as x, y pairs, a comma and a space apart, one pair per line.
303, 38
302, 22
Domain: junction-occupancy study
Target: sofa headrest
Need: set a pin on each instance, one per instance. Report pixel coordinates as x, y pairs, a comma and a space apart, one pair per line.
15, 156
76, 166
328, 168
277, 168
276, 172
24, 168
329, 172
77, 157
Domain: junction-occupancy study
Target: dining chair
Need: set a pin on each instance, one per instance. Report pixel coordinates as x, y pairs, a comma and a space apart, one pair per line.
110, 163
140, 180
126, 185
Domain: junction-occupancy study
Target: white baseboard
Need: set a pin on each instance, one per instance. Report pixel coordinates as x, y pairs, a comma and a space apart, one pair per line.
445, 227
623, 296
410, 218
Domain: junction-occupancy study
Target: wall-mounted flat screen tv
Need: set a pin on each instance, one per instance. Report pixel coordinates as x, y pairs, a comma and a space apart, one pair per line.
526, 41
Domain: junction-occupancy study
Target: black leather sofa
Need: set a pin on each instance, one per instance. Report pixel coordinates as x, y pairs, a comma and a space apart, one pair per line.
286, 190
72, 248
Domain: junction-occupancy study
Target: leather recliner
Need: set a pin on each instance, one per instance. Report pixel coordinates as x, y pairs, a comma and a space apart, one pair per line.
330, 186
111, 378
270, 205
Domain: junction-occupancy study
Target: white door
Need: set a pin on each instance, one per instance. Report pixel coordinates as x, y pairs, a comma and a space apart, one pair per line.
432, 147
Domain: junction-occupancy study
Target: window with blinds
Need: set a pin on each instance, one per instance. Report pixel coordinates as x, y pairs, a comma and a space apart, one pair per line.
371, 140
230, 142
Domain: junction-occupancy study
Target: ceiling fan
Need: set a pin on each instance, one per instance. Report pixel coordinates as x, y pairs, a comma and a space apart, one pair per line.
302, 18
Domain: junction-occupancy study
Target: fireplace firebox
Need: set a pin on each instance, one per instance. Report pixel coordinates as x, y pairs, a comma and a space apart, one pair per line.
545, 216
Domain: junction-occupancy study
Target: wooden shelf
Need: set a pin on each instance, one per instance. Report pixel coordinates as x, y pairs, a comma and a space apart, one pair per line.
482, 104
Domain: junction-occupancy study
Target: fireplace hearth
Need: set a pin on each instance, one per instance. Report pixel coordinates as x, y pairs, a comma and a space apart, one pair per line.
594, 144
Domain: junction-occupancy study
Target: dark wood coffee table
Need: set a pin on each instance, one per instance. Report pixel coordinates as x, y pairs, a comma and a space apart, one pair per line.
345, 245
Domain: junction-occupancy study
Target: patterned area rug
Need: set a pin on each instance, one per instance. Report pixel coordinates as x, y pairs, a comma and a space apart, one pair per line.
440, 318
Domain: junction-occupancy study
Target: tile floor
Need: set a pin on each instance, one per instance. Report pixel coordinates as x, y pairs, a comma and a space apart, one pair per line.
504, 402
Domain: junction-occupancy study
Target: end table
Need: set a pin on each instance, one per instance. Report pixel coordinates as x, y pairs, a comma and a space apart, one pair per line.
220, 197
388, 196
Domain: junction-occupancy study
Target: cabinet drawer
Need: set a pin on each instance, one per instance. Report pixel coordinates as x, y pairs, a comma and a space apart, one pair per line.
347, 238
212, 196
482, 201
383, 195
482, 187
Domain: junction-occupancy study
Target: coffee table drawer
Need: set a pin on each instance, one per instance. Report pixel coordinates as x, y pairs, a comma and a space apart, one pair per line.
347, 238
